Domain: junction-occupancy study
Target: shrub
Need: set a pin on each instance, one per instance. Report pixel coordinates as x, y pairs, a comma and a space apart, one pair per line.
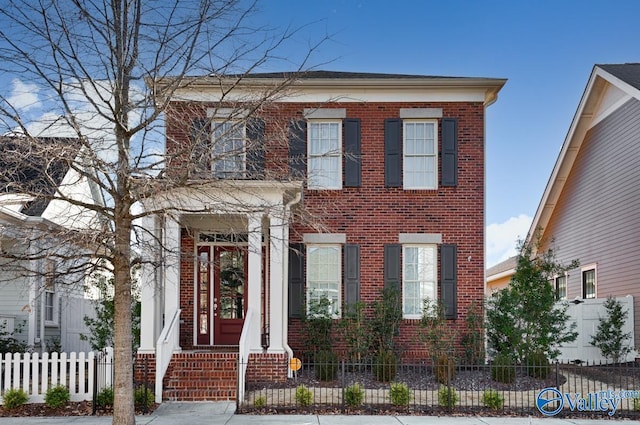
326, 365
610, 338
445, 369
384, 367
57, 396
304, 396
503, 369
105, 397
447, 396
14, 398
492, 399
143, 398
399, 394
260, 402
354, 395
538, 365
636, 404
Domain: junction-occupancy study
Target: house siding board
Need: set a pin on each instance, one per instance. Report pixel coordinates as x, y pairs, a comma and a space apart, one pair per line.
373, 215
598, 214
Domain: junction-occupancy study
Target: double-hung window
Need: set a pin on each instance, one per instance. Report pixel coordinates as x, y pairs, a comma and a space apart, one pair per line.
324, 277
589, 283
420, 154
419, 274
325, 154
50, 298
229, 156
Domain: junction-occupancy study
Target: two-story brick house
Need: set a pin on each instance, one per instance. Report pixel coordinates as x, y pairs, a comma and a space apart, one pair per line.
344, 184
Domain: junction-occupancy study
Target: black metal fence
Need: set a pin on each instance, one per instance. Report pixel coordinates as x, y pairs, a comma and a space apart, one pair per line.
555, 389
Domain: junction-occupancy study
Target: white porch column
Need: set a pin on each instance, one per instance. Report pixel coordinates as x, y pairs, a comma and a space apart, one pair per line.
172, 268
147, 280
254, 281
277, 307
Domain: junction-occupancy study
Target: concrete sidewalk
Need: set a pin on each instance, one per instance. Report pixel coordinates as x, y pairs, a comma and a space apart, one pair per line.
223, 413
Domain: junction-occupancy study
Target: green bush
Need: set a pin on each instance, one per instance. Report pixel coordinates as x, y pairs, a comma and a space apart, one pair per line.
445, 369
492, 399
304, 396
354, 395
260, 402
143, 395
105, 397
503, 369
538, 365
57, 396
399, 393
14, 398
384, 367
447, 396
326, 365
636, 404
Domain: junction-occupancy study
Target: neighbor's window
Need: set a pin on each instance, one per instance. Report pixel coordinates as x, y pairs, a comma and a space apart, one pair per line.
324, 271
561, 287
420, 161
228, 149
325, 155
418, 278
589, 283
49, 297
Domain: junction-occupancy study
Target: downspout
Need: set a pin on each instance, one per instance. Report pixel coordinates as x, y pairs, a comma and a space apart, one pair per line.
285, 302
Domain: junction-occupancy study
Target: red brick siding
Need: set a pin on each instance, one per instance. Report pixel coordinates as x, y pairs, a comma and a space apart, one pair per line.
267, 367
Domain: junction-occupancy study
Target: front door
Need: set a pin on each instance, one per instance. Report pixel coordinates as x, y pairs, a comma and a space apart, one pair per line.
221, 294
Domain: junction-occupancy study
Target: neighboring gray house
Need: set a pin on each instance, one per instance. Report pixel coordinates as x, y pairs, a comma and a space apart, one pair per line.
45, 308
590, 209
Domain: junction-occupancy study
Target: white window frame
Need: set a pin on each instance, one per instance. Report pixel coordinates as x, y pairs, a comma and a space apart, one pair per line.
337, 278
49, 293
315, 180
215, 161
433, 278
556, 286
595, 281
432, 156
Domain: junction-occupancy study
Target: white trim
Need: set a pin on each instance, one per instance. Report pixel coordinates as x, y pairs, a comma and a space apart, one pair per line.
227, 113
588, 267
325, 113
434, 277
324, 238
420, 238
334, 155
411, 113
338, 247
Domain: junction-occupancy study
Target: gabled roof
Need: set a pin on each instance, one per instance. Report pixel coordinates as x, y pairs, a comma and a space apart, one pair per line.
609, 87
342, 75
35, 168
505, 268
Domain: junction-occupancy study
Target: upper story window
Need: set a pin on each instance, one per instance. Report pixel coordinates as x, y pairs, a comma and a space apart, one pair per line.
561, 287
324, 276
419, 274
325, 154
50, 297
229, 157
589, 282
420, 154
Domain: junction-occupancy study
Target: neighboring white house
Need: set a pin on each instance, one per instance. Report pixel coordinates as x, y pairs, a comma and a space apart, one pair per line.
42, 302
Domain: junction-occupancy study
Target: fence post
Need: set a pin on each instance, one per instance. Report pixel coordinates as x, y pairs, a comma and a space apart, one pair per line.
557, 376
342, 382
146, 382
95, 385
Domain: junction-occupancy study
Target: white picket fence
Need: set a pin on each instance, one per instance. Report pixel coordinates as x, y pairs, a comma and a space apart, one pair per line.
35, 373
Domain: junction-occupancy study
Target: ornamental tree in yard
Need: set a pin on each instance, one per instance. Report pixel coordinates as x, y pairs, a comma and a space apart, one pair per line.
610, 338
524, 318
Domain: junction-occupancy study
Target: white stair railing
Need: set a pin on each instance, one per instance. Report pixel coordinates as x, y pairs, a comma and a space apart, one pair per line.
167, 343
243, 353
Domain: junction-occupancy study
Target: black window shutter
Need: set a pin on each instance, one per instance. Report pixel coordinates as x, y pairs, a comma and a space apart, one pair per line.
393, 152
352, 152
392, 272
201, 143
298, 149
296, 279
351, 274
449, 279
449, 152
255, 148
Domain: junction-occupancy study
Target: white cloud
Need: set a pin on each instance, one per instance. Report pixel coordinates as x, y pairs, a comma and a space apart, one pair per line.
24, 96
502, 238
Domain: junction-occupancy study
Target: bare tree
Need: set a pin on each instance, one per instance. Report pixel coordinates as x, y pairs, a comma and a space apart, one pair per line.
105, 72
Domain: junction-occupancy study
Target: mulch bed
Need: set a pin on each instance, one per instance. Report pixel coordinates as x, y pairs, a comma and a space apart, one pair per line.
79, 408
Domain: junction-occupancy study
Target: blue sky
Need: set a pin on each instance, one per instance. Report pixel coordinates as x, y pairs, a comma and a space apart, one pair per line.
546, 49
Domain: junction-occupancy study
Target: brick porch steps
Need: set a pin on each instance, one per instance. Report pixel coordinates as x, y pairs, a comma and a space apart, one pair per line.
201, 376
